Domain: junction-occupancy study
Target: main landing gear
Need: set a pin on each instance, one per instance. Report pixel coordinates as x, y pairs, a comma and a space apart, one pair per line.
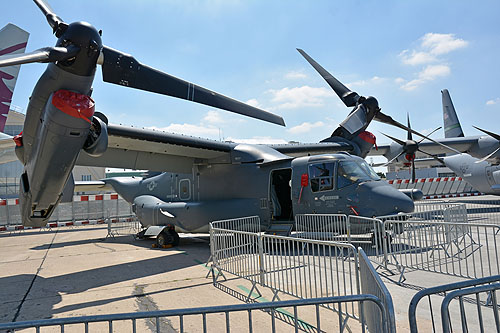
168, 236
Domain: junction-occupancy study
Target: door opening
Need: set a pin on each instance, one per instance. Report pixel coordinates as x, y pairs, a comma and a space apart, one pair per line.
281, 196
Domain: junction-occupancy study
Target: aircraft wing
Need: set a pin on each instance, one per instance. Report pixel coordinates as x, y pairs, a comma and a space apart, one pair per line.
305, 149
7, 146
463, 144
144, 149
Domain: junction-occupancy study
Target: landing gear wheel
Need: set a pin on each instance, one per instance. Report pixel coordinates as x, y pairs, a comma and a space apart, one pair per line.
167, 237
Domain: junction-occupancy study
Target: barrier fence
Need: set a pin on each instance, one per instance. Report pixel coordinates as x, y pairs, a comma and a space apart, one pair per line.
480, 210
476, 314
302, 314
436, 237
372, 284
82, 208
303, 268
436, 186
122, 225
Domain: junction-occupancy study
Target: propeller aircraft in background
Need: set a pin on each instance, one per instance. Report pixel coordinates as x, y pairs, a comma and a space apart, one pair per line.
477, 164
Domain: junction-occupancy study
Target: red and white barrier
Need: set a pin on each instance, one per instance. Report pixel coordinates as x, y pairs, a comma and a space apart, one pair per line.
51, 225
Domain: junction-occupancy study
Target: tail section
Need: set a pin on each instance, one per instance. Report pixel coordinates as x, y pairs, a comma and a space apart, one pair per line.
452, 128
13, 40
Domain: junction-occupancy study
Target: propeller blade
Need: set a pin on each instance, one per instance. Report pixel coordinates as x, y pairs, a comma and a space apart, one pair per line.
347, 96
429, 134
388, 120
409, 136
123, 69
395, 158
493, 135
487, 157
413, 177
402, 143
56, 23
433, 156
46, 54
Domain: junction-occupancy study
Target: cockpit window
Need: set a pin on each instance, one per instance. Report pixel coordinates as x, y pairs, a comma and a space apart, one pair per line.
321, 175
350, 172
369, 170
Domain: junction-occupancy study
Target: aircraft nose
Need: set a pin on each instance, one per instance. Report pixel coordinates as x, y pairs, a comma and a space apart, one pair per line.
386, 200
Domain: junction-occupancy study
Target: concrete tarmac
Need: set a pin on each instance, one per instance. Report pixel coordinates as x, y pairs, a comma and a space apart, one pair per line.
75, 271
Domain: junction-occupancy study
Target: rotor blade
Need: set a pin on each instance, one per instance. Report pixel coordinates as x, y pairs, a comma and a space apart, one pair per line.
433, 156
46, 54
493, 135
388, 120
54, 21
395, 158
413, 171
429, 134
485, 158
409, 136
347, 96
402, 143
123, 69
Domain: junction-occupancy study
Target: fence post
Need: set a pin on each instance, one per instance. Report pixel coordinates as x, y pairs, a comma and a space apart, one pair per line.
261, 259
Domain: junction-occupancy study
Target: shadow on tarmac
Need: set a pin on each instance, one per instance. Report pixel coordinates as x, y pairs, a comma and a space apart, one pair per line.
36, 297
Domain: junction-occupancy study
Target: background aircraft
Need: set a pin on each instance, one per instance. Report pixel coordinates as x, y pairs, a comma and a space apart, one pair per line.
480, 174
13, 40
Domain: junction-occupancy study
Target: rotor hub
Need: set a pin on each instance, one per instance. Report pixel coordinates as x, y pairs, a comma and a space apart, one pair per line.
87, 38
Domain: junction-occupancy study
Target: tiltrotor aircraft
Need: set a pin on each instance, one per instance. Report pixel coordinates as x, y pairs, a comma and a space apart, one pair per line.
472, 165
202, 180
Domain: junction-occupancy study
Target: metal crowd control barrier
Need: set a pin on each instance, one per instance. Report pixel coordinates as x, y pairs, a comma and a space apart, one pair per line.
372, 284
480, 210
121, 225
297, 267
211, 317
488, 286
83, 207
458, 249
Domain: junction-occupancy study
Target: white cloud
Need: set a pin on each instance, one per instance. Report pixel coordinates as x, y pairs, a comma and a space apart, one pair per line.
305, 96
305, 127
295, 75
253, 102
493, 101
213, 117
429, 73
442, 43
258, 140
190, 129
431, 46
373, 80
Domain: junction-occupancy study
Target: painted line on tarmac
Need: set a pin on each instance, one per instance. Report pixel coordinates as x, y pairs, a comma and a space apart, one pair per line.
260, 299
18, 311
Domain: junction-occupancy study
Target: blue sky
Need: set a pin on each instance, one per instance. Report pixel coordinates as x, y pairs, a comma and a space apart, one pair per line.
403, 52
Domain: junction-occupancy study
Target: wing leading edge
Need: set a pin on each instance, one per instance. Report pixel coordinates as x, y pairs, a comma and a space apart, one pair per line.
134, 148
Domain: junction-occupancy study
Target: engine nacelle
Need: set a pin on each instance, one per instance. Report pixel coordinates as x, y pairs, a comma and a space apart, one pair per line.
64, 128
97, 140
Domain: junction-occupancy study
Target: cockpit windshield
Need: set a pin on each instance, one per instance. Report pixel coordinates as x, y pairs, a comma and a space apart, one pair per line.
350, 172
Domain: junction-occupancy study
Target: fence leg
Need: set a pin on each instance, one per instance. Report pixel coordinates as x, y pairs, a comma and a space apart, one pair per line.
261, 260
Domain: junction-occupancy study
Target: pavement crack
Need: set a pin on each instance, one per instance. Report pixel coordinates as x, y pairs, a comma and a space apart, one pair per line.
18, 311
146, 303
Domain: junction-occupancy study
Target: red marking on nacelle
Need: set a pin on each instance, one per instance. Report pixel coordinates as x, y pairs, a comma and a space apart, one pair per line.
368, 137
18, 139
74, 104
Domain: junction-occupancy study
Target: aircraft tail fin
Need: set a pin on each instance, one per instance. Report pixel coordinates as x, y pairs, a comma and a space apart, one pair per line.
13, 40
452, 128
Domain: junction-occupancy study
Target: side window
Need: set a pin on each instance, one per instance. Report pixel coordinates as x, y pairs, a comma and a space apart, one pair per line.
185, 189
321, 175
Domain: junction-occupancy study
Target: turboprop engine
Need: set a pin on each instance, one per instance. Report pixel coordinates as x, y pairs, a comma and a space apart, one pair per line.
67, 125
